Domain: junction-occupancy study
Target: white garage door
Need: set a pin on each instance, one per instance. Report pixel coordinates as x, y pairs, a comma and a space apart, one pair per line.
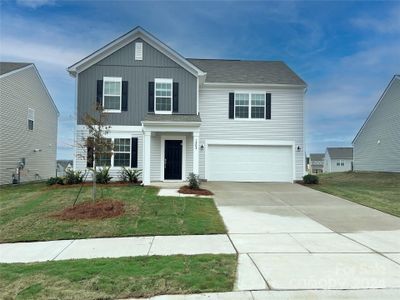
249, 163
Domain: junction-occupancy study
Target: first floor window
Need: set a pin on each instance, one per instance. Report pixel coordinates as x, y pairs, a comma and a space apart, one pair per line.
112, 89
249, 106
122, 152
163, 95
31, 118
103, 159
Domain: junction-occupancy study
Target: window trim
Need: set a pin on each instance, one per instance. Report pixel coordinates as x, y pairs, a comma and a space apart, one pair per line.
129, 152
112, 79
163, 80
250, 93
31, 117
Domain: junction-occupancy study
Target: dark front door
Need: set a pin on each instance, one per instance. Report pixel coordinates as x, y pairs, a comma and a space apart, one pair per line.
173, 159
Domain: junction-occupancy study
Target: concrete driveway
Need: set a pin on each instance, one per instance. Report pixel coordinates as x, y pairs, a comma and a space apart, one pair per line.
291, 237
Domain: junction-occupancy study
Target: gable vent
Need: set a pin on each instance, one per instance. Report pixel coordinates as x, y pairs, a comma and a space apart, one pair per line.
138, 51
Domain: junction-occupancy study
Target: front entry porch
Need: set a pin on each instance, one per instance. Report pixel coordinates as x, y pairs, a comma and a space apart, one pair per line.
170, 149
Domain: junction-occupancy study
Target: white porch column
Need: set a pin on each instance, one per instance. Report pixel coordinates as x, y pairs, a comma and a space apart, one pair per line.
146, 157
196, 152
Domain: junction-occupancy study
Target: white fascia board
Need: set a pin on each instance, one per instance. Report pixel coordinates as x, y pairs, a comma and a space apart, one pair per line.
395, 77
127, 38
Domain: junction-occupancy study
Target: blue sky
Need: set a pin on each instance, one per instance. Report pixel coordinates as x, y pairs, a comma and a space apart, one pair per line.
347, 52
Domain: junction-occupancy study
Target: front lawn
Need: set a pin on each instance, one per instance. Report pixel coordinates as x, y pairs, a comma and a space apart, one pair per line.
374, 189
27, 214
118, 277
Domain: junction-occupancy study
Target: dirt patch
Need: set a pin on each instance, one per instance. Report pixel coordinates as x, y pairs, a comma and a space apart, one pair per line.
187, 190
101, 209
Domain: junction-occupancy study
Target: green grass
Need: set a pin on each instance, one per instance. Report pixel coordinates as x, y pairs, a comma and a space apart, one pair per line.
26, 214
118, 277
374, 189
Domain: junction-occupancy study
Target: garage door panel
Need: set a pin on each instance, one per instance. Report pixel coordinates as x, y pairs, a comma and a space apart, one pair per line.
249, 163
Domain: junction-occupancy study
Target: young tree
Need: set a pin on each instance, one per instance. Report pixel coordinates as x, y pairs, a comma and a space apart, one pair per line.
97, 145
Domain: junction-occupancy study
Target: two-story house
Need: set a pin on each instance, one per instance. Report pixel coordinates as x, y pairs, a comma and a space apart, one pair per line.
226, 120
28, 125
316, 163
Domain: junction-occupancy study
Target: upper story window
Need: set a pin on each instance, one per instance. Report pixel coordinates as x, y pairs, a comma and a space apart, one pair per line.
249, 106
112, 88
163, 96
31, 118
138, 51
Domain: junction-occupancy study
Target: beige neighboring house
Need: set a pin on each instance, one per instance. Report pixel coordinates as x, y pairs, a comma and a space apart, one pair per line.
28, 125
316, 163
339, 159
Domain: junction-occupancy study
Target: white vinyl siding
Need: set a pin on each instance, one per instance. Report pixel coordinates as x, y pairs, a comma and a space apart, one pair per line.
383, 126
286, 123
127, 132
19, 92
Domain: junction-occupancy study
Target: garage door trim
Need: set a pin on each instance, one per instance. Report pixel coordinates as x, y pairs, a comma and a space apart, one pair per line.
251, 143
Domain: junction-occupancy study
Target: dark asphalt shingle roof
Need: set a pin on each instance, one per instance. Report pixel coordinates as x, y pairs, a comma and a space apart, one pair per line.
6, 67
340, 153
242, 71
172, 117
317, 156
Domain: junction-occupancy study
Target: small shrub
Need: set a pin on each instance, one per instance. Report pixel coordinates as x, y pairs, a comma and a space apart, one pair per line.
130, 175
73, 177
310, 179
54, 180
194, 181
103, 175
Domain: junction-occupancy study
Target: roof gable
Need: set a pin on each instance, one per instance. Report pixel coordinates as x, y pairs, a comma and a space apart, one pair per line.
124, 40
394, 79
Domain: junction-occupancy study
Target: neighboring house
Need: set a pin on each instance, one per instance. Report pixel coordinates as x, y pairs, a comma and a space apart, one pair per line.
377, 144
316, 163
338, 159
226, 120
62, 166
28, 125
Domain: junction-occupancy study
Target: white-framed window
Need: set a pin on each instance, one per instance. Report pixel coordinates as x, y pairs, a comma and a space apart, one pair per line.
112, 90
163, 95
31, 118
340, 163
122, 152
138, 51
120, 156
249, 105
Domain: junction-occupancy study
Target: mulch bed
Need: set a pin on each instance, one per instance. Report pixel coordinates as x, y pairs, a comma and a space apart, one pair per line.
101, 209
187, 190
89, 183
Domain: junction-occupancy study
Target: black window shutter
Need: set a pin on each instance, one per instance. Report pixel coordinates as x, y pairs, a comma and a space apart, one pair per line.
124, 104
231, 105
268, 106
151, 96
175, 97
134, 152
89, 155
99, 97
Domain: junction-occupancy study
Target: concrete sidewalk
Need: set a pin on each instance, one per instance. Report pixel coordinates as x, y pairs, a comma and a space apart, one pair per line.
115, 247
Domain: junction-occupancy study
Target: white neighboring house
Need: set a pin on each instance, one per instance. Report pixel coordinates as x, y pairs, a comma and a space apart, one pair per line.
63, 166
339, 159
226, 120
28, 125
377, 144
